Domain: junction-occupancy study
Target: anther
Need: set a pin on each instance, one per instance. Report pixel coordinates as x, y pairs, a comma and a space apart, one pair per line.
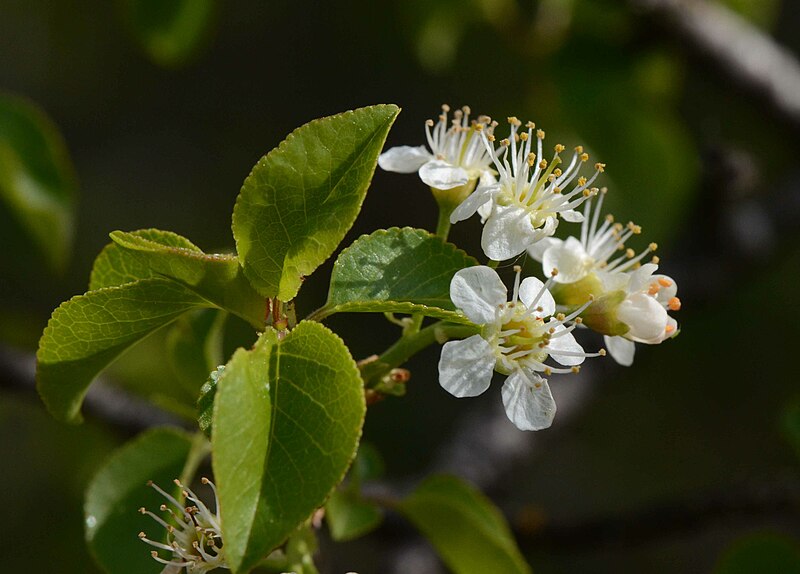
543, 164
629, 253
530, 125
540, 134
505, 142
523, 136
602, 352
653, 246
656, 259
445, 108
429, 123
578, 320
674, 304
579, 149
576, 369
664, 282
559, 148
601, 167
584, 157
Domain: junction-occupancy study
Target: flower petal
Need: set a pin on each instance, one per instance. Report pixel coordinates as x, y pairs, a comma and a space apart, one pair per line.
465, 367
645, 316
571, 216
528, 401
529, 289
442, 175
667, 288
570, 258
404, 159
620, 349
565, 343
507, 232
478, 291
473, 203
537, 249
641, 277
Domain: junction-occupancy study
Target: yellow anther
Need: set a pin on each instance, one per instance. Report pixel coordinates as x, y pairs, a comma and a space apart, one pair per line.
560, 317
517, 269
445, 108
531, 159
579, 149
523, 136
543, 164
601, 167
530, 125
610, 218
551, 178
578, 320
584, 157
602, 352
554, 272
467, 110
540, 134
587, 193
556, 190
653, 246
576, 370
491, 138
505, 142
582, 181
559, 148
557, 172
513, 120
603, 190
478, 127
629, 253
537, 385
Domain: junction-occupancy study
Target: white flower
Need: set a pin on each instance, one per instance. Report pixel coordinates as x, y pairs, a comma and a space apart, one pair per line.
516, 339
456, 157
597, 255
194, 538
524, 205
644, 310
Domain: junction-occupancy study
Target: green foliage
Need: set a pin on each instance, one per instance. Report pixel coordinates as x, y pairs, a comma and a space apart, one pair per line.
396, 270
37, 180
89, 331
205, 403
171, 31
791, 425
216, 277
301, 198
287, 420
759, 553
349, 516
468, 531
194, 347
120, 488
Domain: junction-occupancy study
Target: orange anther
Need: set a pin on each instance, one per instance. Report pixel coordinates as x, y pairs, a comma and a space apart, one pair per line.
665, 282
674, 304
654, 288
669, 329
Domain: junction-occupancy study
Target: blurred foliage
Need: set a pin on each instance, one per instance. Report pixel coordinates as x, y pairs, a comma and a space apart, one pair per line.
37, 180
171, 32
761, 553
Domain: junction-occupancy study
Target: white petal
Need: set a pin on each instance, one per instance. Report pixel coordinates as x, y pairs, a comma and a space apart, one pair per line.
565, 343
485, 211
404, 159
667, 288
478, 291
640, 278
529, 289
614, 280
536, 250
620, 349
473, 203
572, 216
528, 401
442, 175
507, 232
570, 258
465, 367
645, 316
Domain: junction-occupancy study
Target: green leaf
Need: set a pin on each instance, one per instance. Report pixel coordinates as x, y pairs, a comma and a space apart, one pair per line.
397, 270
37, 180
116, 265
301, 198
467, 530
791, 425
350, 517
287, 420
120, 488
194, 347
759, 553
170, 32
216, 277
205, 403
89, 331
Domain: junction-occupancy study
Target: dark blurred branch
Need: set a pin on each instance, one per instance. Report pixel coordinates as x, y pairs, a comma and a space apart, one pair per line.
104, 402
734, 505
738, 49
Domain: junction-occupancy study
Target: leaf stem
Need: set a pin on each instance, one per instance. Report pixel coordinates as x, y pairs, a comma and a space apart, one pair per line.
373, 371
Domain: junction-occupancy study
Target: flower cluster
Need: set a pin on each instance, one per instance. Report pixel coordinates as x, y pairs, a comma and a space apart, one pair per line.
194, 537
595, 281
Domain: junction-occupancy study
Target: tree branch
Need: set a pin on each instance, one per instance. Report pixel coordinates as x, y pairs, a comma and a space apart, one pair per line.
740, 50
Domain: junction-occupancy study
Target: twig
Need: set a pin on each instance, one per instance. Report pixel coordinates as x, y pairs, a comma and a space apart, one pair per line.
737, 48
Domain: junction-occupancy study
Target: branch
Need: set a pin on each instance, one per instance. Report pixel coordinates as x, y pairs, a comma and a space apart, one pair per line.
740, 50
103, 401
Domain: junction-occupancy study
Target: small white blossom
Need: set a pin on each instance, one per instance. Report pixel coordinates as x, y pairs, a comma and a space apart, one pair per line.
194, 537
456, 157
600, 252
516, 339
525, 203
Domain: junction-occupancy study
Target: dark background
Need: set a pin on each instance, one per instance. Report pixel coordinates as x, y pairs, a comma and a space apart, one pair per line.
661, 467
